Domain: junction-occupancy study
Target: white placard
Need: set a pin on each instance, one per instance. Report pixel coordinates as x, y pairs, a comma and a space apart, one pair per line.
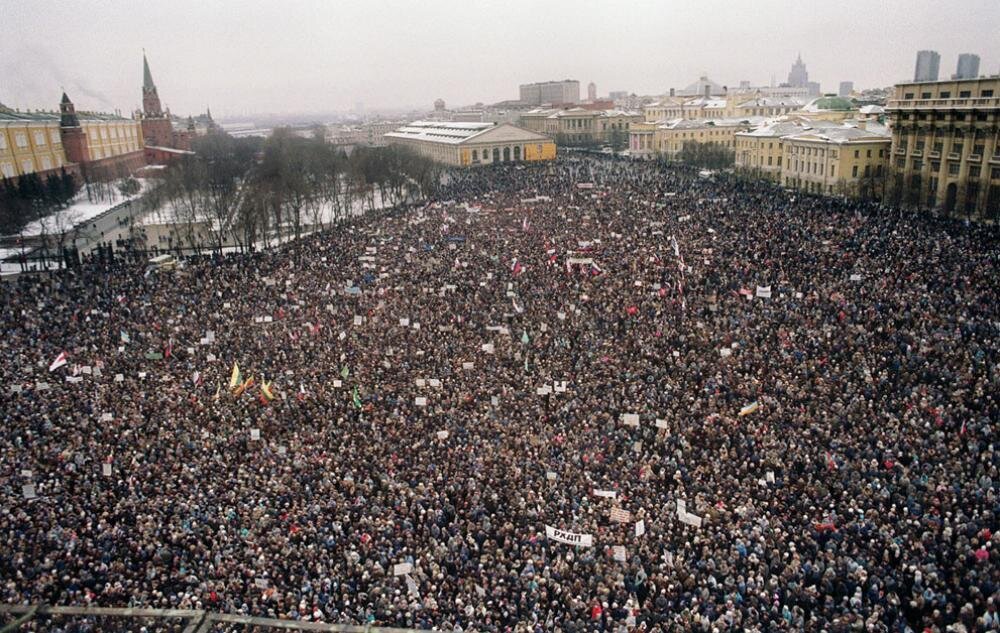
619, 553
494, 400
442, 435
661, 423
28, 491
690, 519
560, 386
620, 515
434, 382
26, 473
640, 527
358, 319
260, 583
468, 365
15, 388
855, 277
769, 476
570, 538
254, 434
420, 401
764, 292
107, 417
337, 382
550, 475
488, 348
142, 374
106, 469
404, 322
725, 351
421, 382
282, 449
682, 506
269, 319
610, 494
210, 358
630, 419
400, 569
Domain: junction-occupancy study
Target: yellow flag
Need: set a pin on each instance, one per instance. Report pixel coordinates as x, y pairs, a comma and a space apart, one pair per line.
235, 378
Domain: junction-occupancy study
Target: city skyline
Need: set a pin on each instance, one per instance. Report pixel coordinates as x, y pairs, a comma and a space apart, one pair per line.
308, 57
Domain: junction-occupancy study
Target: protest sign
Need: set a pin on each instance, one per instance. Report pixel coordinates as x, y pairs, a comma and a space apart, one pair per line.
442, 435
420, 401
619, 515
400, 569
763, 292
640, 528
630, 419
609, 494
661, 423
254, 434
106, 469
570, 538
690, 519
28, 491
618, 552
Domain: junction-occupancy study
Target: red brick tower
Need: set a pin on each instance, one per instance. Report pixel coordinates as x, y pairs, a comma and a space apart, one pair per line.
74, 140
156, 128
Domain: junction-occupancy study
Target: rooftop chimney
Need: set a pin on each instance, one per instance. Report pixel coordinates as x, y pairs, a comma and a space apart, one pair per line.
671, 92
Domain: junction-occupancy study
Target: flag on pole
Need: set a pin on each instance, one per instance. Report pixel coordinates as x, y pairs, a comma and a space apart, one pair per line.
236, 378
830, 463
169, 348
265, 390
58, 362
356, 398
124, 336
345, 372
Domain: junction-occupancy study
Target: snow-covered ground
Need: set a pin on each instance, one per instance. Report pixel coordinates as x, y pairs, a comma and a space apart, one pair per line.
80, 211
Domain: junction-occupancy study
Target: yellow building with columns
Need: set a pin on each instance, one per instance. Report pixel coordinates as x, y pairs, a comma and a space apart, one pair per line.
946, 146
464, 144
666, 140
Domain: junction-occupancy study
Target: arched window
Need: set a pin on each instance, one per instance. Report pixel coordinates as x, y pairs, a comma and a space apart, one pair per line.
496, 154
517, 152
475, 155
506, 154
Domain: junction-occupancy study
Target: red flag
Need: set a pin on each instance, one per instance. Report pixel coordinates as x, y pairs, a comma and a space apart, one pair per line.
58, 362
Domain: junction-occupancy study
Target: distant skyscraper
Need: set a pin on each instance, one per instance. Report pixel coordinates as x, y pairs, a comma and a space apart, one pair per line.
592, 91
928, 63
846, 88
799, 76
968, 66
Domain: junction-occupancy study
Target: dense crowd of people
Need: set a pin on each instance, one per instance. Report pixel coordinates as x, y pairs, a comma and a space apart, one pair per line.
584, 346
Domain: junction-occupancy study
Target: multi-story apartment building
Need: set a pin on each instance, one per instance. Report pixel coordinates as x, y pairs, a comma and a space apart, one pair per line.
555, 92
928, 64
945, 151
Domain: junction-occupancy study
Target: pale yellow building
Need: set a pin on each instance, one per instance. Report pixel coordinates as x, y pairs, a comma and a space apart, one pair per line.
729, 106
580, 126
760, 151
109, 136
467, 144
836, 161
945, 146
666, 140
29, 143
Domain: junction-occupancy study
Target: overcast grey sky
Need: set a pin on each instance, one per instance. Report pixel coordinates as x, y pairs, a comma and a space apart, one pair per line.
289, 56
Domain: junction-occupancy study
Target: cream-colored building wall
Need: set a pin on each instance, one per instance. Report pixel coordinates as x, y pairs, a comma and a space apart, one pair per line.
819, 166
29, 146
106, 139
761, 154
670, 142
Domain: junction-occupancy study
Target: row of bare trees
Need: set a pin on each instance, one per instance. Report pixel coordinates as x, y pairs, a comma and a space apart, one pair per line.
243, 192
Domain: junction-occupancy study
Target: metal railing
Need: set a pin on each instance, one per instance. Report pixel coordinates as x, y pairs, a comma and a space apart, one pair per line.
25, 617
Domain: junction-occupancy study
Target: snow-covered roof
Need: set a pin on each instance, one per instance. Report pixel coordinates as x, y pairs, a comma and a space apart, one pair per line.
450, 132
840, 135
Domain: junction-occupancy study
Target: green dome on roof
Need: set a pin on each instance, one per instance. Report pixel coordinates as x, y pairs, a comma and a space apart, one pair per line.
832, 103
